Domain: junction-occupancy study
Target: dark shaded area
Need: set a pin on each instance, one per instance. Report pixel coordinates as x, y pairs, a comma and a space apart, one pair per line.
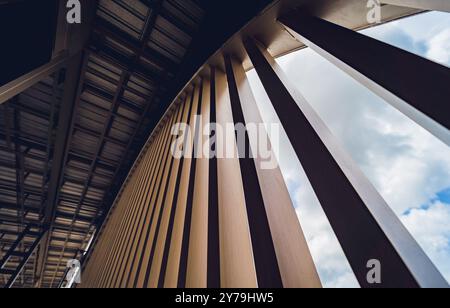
223, 20
213, 269
27, 30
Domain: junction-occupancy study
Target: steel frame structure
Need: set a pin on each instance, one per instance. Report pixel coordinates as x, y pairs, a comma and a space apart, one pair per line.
98, 90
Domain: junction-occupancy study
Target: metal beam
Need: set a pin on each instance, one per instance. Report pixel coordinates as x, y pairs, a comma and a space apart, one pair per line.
25, 260
70, 40
72, 93
364, 223
414, 85
20, 175
431, 5
14, 246
126, 75
134, 45
71, 97
183, 26
36, 224
7, 124
20, 171
74, 37
51, 128
19, 85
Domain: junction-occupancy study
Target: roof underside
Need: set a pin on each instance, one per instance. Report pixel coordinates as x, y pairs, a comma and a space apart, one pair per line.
141, 54
135, 50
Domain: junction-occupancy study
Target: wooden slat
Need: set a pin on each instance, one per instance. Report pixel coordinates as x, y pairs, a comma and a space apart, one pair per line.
197, 266
237, 267
296, 264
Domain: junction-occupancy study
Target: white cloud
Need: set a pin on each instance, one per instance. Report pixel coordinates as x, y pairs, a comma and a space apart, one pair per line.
431, 228
439, 47
420, 27
427, 35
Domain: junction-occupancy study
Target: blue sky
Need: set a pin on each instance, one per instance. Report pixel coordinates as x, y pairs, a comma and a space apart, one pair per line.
409, 167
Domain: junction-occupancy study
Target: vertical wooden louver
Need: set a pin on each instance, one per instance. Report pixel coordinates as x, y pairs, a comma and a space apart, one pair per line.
160, 233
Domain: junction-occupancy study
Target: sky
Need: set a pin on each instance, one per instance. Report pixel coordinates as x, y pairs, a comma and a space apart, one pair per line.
408, 166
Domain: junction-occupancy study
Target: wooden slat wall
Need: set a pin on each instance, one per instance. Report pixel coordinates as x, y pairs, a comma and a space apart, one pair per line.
161, 232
